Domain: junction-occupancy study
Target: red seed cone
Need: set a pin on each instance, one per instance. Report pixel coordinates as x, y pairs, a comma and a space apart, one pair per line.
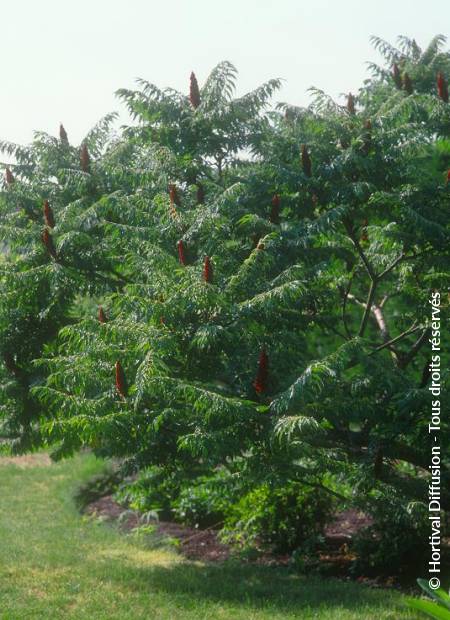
85, 159
274, 216
396, 76
207, 270
47, 240
63, 134
200, 194
9, 177
262, 375
194, 92
101, 315
121, 381
306, 161
448, 177
181, 254
351, 104
407, 84
48, 215
442, 87
173, 194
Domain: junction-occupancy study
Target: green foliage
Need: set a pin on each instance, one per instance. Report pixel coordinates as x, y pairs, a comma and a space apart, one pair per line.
207, 500
438, 609
153, 490
283, 518
334, 286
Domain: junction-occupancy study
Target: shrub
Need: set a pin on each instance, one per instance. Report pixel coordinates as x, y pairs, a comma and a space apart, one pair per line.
154, 489
282, 518
206, 502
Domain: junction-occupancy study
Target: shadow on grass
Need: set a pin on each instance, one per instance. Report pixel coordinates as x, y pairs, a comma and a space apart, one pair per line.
256, 587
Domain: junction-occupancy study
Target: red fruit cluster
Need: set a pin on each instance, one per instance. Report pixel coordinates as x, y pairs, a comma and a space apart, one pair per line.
207, 270
194, 92
274, 216
306, 161
448, 177
351, 104
63, 134
101, 315
262, 375
407, 84
181, 254
85, 159
9, 177
442, 87
396, 76
121, 382
48, 242
48, 215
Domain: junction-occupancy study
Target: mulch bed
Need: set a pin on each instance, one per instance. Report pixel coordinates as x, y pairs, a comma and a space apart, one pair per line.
204, 545
194, 544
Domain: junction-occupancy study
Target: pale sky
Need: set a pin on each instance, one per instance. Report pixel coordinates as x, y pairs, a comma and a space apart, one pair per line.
62, 60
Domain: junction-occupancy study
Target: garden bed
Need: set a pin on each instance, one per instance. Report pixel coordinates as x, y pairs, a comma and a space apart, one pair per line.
205, 545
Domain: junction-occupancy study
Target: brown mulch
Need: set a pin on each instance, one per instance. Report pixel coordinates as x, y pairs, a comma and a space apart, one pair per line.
204, 545
194, 544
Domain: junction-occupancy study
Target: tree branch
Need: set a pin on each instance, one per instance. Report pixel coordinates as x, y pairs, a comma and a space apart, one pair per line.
368, 308
389, 343
363, 257
391, 266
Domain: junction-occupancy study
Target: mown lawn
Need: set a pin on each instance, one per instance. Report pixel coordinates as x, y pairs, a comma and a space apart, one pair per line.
56, 564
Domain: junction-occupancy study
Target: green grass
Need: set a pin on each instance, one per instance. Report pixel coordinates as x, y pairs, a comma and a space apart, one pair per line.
55, 564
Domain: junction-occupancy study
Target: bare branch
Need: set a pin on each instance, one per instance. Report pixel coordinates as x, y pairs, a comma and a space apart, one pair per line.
389, 343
